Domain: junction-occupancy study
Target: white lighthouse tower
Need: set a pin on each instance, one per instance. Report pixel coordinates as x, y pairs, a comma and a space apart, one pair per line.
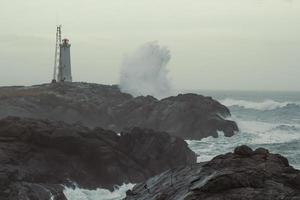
64, 67
62, 63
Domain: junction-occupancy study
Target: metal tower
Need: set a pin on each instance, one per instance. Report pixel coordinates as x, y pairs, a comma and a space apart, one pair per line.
57, 52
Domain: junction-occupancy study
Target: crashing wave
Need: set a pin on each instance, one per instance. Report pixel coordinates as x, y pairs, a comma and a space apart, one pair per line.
145, 72
103, 194
253, 133
263, 105
290, 128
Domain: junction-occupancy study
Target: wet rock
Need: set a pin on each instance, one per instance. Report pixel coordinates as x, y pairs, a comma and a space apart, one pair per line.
243, 150
262, 151
39, 156
242, 175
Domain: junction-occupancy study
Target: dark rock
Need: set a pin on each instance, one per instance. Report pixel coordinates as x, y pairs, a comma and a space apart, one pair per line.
242, 175
243, 150
39, 156
189, 116
130, 193
296, 181
162, 197
262, 151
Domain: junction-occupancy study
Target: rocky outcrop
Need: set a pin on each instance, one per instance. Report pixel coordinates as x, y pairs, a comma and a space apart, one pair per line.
189, 116
37, 157
242, 175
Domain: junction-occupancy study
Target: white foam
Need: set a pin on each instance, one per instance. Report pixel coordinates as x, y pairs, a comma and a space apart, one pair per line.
262, 105
253, 133
268, 133
98, 194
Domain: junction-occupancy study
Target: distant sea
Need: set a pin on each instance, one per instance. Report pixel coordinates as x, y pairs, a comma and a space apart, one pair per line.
266, 119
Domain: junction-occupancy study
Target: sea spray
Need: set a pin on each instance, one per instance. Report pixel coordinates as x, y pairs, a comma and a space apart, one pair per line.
103, 194
145, 71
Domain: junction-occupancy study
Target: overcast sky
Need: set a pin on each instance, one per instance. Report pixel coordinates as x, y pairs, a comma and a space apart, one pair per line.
215, 44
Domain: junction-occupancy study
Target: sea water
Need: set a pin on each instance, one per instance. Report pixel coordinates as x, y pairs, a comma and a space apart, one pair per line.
265, 119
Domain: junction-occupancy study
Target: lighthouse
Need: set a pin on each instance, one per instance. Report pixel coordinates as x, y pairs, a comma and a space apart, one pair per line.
62, 62
64, 67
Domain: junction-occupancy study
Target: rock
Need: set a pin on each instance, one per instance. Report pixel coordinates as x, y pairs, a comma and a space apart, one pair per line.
261, 151
130, 193
242, 175
188, 116
39, 156
296, 181
243, 150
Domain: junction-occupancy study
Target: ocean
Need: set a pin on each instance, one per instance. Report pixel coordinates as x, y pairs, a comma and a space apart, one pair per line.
265, 119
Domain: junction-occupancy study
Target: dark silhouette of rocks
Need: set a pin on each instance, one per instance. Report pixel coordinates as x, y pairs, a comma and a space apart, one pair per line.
242, 175
188, 116
37, 156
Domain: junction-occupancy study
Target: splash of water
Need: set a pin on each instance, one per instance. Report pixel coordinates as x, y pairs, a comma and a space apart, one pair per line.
145, 71
103, 194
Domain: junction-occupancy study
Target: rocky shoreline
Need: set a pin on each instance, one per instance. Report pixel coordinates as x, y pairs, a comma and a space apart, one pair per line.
56, 141
37, 157
188, 116
242, 175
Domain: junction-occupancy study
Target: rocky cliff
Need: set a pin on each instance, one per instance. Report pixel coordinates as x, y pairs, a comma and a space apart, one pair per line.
38, 156
189, 116
242, 175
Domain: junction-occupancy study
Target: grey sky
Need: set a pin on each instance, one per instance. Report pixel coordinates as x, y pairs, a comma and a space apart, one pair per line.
215, 44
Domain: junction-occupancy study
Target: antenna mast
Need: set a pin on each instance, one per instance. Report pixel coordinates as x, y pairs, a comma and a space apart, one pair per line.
57, 52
